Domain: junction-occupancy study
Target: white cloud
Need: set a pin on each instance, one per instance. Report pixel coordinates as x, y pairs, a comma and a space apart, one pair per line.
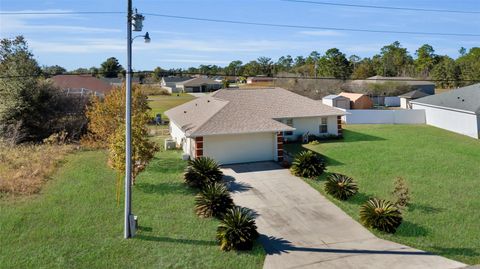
31, 23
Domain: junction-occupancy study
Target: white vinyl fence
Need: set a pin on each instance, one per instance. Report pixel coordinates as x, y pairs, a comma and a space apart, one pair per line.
371, 116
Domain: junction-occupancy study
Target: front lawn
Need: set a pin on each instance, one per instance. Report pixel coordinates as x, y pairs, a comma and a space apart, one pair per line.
75, 223
441, 168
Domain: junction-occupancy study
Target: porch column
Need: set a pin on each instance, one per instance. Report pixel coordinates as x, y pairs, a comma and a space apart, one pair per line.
339, 126
280, 146
198, 146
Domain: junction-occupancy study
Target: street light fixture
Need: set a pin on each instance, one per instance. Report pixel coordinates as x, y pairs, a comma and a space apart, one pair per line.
135, 23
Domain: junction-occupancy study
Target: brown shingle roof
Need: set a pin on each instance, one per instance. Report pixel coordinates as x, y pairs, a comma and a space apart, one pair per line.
198, 82
352, 96
81, 81
245, 111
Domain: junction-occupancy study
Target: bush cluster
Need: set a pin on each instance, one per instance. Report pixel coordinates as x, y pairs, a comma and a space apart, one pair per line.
381, 215
237, 229
308, 164
340, 186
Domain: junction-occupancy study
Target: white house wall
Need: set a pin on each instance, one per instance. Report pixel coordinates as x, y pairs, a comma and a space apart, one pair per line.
179, 136
312, 126
240, 148
455, 121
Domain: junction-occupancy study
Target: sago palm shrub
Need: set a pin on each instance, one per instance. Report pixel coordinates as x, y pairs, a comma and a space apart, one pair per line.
237, 230
307, 164
213, 200
202, 171
340, 186
381, 215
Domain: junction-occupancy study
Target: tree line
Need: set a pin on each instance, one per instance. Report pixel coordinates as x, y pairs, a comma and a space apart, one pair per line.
393, 61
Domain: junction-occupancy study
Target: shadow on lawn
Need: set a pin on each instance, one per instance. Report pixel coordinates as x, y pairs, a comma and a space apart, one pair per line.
359, 198
425, 208
410, 229
163, 188
468, 252
175, 240
352, 136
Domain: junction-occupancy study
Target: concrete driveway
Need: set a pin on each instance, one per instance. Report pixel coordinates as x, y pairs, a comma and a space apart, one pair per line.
302, 229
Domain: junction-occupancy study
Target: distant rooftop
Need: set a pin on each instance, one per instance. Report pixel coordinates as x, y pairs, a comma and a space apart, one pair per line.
381, 79
415, 94
81, 82
175, 79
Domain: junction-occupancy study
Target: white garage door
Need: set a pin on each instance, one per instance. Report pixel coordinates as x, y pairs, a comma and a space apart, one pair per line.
227, 149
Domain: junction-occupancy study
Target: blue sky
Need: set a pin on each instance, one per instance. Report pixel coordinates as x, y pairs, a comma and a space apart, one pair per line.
76, 41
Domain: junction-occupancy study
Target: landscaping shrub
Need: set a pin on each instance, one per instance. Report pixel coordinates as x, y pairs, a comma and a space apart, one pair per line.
237, 230
308, 164
213, 201
340, 186
202, 171
381, 215
401, 193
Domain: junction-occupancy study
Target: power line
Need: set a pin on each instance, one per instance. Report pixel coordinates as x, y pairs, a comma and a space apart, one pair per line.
310, 27
176, 73
62, 13
253, 23
383, 7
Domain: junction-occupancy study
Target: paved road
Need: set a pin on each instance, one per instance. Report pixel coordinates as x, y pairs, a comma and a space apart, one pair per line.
302, 229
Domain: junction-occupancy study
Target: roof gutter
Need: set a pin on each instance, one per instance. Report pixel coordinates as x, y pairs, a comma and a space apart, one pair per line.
446, 108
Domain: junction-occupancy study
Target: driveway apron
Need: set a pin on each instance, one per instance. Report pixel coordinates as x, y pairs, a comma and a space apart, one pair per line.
300, 228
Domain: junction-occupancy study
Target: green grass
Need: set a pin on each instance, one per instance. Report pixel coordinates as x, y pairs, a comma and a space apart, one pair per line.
75, 222
441, 168
162, 103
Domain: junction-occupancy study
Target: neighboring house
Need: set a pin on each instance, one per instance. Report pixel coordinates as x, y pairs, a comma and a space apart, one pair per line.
198, 85
457, 110
119, 81
336, 101
236, 126
406, 98
424, 86
81, 84
358, 100
252, 80
170, 83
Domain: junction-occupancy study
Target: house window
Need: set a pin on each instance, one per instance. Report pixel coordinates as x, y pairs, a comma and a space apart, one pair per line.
323, 126
289, 122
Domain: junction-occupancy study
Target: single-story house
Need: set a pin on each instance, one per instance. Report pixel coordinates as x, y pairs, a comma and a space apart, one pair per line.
457, 110
358, 100
198, 85
170, 83
81, 84
406, 98
251, 80
336, 101
237, 126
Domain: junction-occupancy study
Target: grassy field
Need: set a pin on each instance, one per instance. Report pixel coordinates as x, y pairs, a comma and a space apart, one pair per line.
25, 168
161, 103
74, 222
441, 168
